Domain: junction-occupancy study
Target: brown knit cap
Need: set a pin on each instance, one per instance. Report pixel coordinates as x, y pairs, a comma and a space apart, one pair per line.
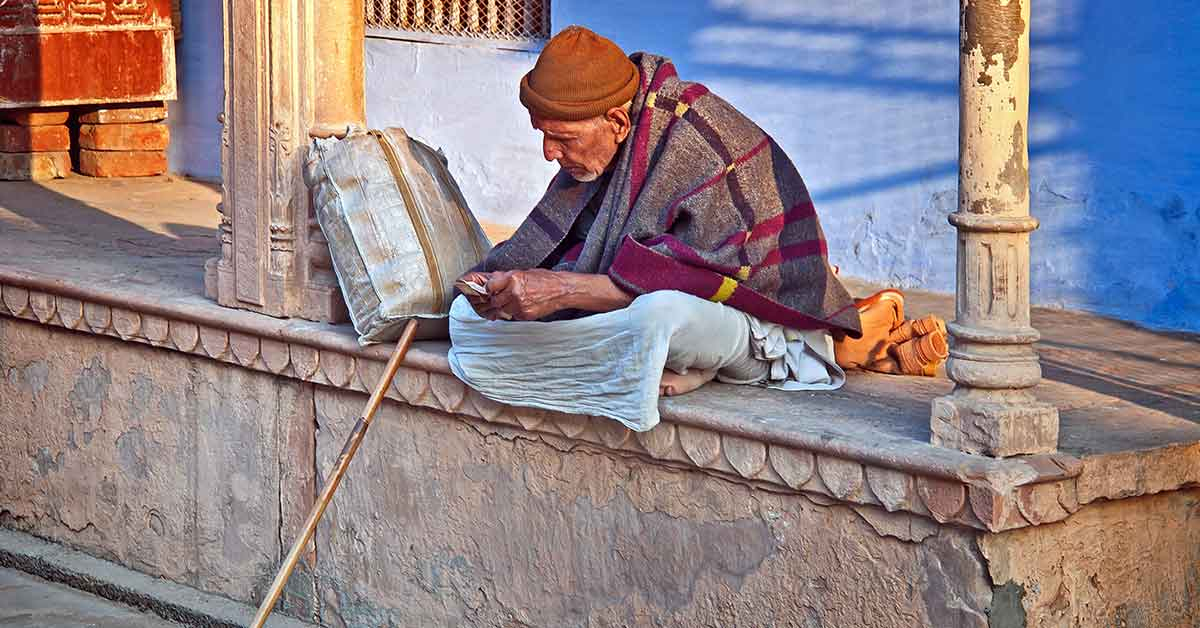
579, 75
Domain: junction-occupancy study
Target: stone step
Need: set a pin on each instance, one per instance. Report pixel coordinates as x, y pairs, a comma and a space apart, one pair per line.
34, 139
122, 163
125, 137
170, 600
25, 166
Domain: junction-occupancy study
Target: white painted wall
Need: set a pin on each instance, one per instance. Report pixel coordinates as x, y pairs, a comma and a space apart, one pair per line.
463, 99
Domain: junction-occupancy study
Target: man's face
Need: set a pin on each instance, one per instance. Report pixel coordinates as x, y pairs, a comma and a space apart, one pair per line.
584, 148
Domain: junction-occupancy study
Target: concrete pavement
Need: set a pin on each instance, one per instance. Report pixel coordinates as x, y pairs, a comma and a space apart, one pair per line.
28, 602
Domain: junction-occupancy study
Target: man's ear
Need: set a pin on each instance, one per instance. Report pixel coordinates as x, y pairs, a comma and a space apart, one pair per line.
618, 119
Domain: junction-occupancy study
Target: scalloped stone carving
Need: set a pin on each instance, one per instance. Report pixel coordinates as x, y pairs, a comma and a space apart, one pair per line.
844, 478
276, 355
337, 367
43, 306
894, 489
944, 499
411, 384
156, 329
659, 441
98, 317
816, 475
996, 511
244, 347
16, 300
215, 342
185, 336
70, 312
304, 360
127, 324
449, 391
747, 457
701, 446
611, 433
489, 410
794, 466
569, 425
1040, 503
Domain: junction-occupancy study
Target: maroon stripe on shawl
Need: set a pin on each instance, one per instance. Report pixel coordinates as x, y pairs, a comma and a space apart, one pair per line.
709, 134
807, 248
689, 255
694, 91
772, 225
673, 209
641, 137
573, 253
642, 270
546, 225
665, 71
668, 104
739, 198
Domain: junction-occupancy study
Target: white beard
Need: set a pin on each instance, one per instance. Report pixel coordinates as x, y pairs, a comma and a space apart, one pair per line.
585, 178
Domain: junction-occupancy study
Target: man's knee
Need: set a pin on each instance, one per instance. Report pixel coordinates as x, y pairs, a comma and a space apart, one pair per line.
661, 303
665, 309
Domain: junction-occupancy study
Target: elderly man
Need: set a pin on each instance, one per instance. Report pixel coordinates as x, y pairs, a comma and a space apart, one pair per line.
676, 244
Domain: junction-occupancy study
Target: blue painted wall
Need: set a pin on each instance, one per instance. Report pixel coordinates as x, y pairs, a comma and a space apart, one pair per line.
195, 134
863, 96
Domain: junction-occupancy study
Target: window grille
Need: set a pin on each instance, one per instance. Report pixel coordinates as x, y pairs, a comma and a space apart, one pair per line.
482, 19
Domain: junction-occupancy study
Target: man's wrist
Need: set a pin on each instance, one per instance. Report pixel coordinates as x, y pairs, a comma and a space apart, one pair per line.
571, 290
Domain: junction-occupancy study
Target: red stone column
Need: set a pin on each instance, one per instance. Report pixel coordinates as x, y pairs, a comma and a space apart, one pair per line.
34, 144
124, 141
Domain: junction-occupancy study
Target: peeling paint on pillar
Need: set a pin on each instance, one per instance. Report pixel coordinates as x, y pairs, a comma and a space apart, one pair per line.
1016, 170
994, 27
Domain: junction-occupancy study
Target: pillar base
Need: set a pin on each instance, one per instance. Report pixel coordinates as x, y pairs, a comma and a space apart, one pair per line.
998, 423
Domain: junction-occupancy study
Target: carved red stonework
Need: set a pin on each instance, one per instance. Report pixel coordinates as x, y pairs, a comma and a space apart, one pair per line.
65, 52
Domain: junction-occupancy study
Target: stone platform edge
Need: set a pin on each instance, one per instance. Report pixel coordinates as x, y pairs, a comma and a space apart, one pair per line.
169, 600
903, 478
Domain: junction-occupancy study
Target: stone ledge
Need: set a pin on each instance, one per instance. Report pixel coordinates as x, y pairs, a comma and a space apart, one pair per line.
711, 430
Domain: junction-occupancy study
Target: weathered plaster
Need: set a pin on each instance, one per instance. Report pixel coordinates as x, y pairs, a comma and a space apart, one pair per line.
452, 518
442, 523
161, 462
1134, 562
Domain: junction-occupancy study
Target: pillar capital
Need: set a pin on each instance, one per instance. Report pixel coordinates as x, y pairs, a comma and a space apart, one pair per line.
992, 359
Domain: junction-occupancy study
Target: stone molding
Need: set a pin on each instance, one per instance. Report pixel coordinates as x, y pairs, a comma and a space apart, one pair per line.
949, 487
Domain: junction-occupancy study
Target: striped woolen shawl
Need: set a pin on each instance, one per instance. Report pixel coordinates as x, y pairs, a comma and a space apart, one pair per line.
702, 201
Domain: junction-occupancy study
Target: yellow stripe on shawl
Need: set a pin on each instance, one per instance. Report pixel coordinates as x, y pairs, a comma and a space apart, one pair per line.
725, 291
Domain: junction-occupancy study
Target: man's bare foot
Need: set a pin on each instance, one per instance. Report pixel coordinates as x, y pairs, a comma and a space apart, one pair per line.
673, 384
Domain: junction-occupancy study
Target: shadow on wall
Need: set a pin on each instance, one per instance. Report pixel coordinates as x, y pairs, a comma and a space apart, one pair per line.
863, 96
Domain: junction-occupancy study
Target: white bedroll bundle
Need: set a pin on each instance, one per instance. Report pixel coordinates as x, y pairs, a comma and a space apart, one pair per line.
398, 227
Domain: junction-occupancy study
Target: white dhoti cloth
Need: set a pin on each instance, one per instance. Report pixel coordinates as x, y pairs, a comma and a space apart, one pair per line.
610, 364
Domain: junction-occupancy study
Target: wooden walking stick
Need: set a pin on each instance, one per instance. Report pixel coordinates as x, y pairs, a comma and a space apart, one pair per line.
339, 469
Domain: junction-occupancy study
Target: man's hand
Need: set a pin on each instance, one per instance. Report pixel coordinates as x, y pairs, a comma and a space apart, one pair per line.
533, 294
527, 295
481, 302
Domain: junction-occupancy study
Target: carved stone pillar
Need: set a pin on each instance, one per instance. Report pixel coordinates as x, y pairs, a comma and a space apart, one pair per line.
992, 359
292, 68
